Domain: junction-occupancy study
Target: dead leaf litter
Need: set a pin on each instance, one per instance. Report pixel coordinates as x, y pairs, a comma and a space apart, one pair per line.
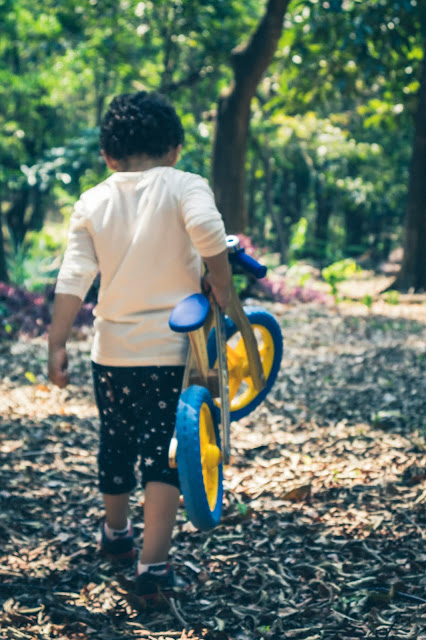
323, 530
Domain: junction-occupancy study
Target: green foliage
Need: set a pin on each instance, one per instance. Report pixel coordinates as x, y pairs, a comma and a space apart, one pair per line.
240, 282
68, 164
298, 238
339, 272
61, 63
356, 66
336, 195
392, 297
36, 263
242, 508
331, 127
367, 300
349, 49
298, 275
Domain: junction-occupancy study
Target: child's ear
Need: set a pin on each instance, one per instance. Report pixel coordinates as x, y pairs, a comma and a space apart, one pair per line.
173, 155
111, 163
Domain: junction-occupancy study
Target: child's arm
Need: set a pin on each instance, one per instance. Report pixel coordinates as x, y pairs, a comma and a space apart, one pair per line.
205, 226
77, 272
65, 309
218, 278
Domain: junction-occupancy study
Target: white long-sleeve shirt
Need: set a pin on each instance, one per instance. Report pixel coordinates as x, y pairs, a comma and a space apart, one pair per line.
144, 232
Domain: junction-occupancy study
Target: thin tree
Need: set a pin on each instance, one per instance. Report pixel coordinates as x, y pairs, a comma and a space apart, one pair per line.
412, 274
249, 62
4, 277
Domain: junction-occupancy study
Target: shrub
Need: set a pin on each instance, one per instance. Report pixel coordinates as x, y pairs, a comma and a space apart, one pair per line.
274, 286
27, 313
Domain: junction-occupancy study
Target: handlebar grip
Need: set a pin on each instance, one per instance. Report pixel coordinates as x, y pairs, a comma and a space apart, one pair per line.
248, 263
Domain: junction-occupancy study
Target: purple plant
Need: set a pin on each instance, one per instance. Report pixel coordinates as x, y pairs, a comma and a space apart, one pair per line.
251, 249
26, 313
277, 288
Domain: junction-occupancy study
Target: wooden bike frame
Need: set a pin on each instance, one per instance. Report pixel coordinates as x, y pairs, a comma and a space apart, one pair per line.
198, 371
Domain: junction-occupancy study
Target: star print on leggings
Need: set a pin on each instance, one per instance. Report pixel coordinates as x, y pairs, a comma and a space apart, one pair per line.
137, 409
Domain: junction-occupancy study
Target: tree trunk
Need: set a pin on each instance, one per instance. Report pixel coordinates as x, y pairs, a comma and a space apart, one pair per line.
252, 195
15, 216
233, 116
413, 269
4, 277
275, 215
322, 217
354, 230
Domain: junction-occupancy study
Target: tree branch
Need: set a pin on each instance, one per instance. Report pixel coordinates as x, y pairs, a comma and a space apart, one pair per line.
250, 60
188, 81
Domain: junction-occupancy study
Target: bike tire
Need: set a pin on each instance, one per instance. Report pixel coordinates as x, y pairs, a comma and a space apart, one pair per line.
199, 455
244, 399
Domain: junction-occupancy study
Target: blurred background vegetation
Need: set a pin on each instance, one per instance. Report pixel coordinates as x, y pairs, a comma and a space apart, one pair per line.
331, 160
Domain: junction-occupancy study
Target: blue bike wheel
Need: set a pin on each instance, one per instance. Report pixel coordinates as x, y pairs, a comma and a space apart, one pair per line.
199, 457
243, 396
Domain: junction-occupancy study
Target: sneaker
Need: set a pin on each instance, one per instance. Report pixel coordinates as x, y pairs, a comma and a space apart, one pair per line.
122, 548
152, 587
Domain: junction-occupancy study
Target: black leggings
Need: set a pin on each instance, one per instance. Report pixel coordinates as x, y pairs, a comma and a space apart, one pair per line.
137, 409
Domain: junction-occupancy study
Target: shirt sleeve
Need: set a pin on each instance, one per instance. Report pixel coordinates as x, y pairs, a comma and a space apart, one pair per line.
202, 220
80, 264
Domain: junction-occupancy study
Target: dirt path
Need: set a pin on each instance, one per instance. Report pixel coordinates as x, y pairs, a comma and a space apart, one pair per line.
325, 506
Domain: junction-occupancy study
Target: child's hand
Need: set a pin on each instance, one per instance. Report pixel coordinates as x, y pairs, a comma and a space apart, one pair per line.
217, 280
65, 309
58, 366
218, 294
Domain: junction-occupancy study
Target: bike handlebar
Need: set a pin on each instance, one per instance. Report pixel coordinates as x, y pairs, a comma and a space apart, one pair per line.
248, 263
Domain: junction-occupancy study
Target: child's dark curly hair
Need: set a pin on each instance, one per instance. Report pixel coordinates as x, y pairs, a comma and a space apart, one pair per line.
138, 123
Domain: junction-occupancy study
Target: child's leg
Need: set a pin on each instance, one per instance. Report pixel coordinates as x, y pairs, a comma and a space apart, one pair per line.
118, 445
161, 504
161, 483
116, 510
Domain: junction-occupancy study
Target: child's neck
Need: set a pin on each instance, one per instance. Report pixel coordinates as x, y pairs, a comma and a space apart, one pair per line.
141, 162
137, 163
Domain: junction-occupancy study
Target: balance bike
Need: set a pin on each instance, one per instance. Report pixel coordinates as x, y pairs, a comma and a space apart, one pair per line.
233, 361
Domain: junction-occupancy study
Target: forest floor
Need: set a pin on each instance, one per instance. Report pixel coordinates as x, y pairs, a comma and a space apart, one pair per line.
323, 532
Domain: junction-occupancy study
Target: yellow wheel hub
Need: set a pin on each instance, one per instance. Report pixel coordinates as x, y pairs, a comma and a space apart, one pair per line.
241, 389
211, 455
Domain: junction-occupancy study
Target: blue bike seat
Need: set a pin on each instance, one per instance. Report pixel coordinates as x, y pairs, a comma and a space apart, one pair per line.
190, 313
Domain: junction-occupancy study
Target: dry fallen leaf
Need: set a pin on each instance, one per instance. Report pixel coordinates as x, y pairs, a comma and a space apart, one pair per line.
298, 494
275, 567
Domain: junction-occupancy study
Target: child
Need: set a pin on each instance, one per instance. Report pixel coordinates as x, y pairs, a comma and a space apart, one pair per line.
146, 229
